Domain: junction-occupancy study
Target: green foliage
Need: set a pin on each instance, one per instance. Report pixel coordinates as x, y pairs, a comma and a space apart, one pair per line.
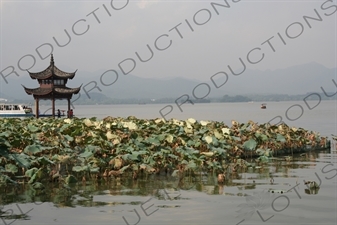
121, 145
250, 144
70, 179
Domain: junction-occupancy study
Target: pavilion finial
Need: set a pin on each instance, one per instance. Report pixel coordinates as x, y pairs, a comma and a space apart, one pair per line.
52, 59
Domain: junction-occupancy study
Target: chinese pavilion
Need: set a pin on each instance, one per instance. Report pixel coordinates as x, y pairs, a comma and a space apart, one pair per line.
52, 86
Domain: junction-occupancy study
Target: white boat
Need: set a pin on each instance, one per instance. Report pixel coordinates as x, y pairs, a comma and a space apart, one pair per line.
15, 110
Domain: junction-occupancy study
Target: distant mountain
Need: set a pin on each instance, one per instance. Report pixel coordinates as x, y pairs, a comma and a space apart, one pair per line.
293, 80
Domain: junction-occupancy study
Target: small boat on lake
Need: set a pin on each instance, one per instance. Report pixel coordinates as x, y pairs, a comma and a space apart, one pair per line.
15, 110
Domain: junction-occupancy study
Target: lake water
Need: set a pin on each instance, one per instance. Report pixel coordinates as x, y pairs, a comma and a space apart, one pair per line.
322, 118
243, 199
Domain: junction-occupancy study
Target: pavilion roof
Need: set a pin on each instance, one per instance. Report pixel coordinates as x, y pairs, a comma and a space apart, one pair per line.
56, 90
52, 71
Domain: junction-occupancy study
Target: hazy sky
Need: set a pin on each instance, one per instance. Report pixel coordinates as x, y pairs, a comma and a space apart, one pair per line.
195, 39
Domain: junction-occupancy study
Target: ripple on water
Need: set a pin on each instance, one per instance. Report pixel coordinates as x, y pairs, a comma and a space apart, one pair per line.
202, 202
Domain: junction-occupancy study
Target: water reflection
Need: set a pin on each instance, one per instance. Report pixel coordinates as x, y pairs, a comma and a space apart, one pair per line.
280, 173
313, 191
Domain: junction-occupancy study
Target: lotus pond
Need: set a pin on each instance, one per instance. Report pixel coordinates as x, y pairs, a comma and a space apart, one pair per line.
67, 160
41, 150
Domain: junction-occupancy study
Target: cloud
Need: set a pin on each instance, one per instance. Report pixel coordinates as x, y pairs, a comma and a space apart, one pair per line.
218, 40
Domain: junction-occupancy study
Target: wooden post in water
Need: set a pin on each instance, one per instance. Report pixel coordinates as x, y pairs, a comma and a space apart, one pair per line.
68, 114
53, 107
37, 107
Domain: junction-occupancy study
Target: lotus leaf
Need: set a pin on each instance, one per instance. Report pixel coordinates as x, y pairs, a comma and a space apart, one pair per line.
175, 173
225, 131
94, 169
204, 123
161, 137
190, 143
161, 152
208, 154
38, 185
110, 136
184, 162
116, 141
219, 151
108, 125
234, 123
22, 159
33, 149
189, 151
44, 160
159, 120
134, 135
173, 156
86, 154
5, 134
188, 130
31, 172
68, 121
32, 128
191, 121
208, 139
78, 139
70, 179
11, 168
117, 163
236, 138
154, 141
250, 144
197, 144
80, 168
130, 125
133, 157
124, 168
143, 166
177, 122
263, 158
188, 125
260, 151
88, 122
63, 158
36, 176
130, 149
191, 165
203, 131
268, 152
6, 179
169, 138
139, 144
92, 134
215, 141
263, 137
214, 165
217, 134
183, 142
68, 138
280, 138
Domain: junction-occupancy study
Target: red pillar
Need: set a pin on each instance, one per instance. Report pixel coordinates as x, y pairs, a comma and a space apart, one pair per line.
53, 107
68, 108
37, 107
